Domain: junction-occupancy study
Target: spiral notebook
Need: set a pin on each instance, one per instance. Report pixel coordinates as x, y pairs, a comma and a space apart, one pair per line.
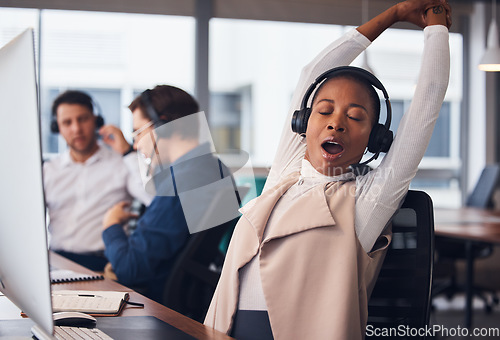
65, 275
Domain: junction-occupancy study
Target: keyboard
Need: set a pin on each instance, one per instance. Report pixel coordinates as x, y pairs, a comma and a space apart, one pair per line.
64, 332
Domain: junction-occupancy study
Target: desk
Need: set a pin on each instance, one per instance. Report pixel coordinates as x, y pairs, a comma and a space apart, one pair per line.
470, 225
151, 308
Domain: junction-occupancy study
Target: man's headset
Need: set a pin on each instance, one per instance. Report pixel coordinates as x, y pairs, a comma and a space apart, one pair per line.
150, 110
380, 137
99, 119
157, 121
153, 114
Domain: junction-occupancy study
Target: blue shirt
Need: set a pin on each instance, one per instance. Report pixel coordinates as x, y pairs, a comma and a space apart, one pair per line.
144, 259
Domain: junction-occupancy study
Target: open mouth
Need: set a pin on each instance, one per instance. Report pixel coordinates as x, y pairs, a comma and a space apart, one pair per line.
332, 148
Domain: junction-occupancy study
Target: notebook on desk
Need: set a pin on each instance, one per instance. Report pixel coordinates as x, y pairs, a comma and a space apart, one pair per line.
66, 275
96, 303
24, 259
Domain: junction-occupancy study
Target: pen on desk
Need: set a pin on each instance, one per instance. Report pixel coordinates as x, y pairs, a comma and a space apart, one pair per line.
137, 304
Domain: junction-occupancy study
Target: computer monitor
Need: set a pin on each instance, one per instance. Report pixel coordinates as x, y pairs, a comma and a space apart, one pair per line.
24, 259
24, 265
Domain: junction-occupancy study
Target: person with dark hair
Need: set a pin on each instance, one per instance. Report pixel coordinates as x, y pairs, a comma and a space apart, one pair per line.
166, 133
85, 181
305, 254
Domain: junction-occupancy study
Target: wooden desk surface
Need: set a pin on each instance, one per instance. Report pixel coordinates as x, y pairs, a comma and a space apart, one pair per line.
468, 223
151, 308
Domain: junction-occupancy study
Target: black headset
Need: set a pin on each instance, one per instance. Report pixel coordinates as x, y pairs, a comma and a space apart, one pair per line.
99, 119
380, 137
151, 111
153, 114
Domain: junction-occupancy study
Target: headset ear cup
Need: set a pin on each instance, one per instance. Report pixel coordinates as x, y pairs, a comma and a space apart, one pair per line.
99, 121
54, 127
376, 138
295, 120
299, 120
307, 114
386, 141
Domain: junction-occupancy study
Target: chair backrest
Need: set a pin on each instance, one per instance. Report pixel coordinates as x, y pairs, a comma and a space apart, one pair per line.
481, 196
195, 274
401, 295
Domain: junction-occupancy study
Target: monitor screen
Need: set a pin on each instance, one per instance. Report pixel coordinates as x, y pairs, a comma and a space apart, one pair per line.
24, 271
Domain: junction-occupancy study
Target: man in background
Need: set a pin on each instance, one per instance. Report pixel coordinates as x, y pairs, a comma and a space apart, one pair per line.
177, 163
87, 179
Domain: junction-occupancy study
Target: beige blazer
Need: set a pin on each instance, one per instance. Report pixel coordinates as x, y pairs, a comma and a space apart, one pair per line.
315, 275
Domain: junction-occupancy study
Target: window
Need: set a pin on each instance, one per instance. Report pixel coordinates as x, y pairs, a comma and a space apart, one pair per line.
13, 21
225, 121
441, 141
112, 57
254, 67
260, 61
106, 54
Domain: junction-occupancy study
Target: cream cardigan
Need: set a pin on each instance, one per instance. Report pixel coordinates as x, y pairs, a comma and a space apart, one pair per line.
316, 277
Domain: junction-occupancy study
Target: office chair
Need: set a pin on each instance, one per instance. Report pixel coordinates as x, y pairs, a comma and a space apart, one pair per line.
195, 274
449, 250
401, 295
192, 282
